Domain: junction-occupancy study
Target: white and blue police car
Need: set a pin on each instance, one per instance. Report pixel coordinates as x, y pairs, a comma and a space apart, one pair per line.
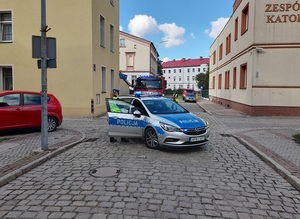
158, 120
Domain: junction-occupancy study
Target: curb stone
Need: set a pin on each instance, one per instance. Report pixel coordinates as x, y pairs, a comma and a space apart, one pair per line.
16, 173
272, 163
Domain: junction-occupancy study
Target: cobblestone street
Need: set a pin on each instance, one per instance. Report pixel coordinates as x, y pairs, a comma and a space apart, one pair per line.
223, 179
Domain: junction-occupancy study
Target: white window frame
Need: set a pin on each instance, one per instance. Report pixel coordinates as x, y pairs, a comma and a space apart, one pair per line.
5, 23
3, 80
103, 72
102, 31
112, 37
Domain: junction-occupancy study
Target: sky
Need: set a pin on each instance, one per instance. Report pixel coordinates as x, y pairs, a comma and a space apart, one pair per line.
177, 28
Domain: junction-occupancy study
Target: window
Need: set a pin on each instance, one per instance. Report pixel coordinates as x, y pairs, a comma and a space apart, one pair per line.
179, 78
193, 78
245, 19
5, 27
188, 70
112, 78
179, 70
188, 78
169, 71
236, 29
103, 70
130, 59
234, 78
227, 80
112, 34
198, 69
213, 82
193, 70
214, 57
221, 51
228, 44
174, 78
6, 78
102, 31
11, 99
243, 76
220, 81
122, 43
174, 70
32, 99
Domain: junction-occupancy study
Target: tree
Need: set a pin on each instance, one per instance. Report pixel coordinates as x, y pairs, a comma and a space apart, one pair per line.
203, 79
159, 67
200, 78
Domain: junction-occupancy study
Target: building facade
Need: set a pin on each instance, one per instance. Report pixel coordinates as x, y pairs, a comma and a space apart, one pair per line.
138, 57
182, 73
87, 37
254, 63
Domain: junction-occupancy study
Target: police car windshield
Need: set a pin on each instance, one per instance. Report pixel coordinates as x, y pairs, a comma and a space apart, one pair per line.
148, 84
163, 106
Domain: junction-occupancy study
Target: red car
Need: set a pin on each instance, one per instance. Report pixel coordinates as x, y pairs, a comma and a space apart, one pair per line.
22, 109
187, 91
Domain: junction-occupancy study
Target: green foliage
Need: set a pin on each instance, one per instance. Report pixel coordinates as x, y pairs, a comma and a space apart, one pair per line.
297, 136
200, 78
159, 67
4, 139
203, 80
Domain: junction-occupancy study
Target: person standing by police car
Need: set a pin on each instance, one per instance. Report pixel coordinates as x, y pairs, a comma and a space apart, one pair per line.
115, 109
175, 96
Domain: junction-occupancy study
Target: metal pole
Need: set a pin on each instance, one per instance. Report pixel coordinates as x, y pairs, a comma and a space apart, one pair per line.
44, 128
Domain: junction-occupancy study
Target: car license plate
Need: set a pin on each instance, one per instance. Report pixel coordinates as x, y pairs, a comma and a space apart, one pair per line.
195, 139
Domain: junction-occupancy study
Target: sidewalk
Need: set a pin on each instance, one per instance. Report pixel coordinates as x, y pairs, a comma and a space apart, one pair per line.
23, 153
268, 137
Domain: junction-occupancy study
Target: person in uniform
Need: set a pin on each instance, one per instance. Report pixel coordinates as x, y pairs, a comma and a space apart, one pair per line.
175, 96
115, 109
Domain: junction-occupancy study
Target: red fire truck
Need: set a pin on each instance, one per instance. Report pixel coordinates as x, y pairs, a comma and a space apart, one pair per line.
150, 85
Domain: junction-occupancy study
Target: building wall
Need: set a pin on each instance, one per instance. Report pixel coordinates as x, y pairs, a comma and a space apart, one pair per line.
77, 80
145, 57
184, 79
182, 73
269, 48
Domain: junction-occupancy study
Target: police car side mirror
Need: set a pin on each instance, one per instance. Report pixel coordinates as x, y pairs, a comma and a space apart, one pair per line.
137, 113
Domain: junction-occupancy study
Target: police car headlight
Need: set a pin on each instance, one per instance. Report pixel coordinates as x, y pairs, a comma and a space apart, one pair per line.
169, 128
207, 124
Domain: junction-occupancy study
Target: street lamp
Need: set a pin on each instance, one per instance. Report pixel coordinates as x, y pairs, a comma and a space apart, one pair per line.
163, 41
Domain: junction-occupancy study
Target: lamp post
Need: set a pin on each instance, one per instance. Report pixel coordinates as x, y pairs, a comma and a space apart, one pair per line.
163, 41
44, 126
159, 69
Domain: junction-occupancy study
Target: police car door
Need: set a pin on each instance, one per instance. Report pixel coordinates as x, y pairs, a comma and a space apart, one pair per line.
121, 120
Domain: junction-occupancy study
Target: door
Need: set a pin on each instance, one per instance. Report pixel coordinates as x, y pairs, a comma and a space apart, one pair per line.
32, 110
122, 121
10, 112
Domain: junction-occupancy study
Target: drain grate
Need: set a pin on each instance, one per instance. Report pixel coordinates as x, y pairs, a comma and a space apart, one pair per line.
90, 139
105, 172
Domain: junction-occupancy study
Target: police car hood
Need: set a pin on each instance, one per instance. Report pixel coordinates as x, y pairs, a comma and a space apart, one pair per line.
182, 120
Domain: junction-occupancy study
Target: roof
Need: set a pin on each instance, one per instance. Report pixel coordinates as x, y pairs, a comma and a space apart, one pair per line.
185, 63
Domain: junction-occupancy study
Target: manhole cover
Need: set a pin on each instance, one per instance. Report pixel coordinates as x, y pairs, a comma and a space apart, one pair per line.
105, 172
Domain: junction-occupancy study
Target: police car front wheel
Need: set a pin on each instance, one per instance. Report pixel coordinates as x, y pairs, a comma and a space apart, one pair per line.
151, 139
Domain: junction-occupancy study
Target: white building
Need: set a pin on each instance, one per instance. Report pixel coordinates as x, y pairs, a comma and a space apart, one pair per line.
138, 57
254, 64
182, 73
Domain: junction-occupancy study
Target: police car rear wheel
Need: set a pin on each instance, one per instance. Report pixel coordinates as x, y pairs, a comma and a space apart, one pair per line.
151, 139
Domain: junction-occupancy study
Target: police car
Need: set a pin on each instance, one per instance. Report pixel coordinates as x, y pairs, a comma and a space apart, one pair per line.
158, 120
